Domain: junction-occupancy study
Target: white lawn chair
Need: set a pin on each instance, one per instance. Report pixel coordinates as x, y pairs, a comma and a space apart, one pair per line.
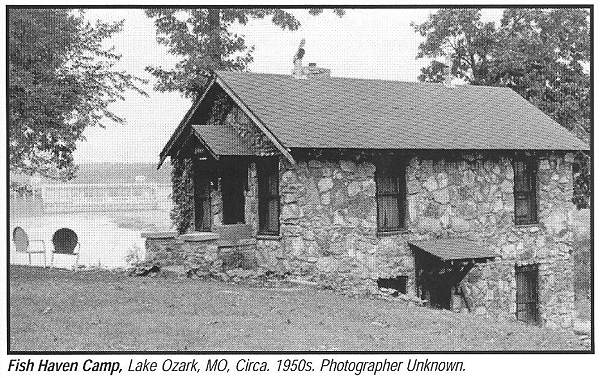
23, 244
65, 242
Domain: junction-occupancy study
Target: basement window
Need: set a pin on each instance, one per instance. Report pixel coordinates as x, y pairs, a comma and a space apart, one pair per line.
398, 283
527, 277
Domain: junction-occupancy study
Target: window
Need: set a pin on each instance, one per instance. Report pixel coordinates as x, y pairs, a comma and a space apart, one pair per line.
525, 190
527, 293
268, 197
234, 180
202, 210
390, 184
398, 283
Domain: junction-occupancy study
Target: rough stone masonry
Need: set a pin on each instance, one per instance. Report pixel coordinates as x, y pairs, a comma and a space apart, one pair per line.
329, 227
329, 230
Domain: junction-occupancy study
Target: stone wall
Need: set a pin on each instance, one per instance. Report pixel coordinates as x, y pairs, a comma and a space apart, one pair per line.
163, 247
329, 231
199, 251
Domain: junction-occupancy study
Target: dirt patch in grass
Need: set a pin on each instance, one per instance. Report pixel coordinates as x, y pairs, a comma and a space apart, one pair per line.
56, 310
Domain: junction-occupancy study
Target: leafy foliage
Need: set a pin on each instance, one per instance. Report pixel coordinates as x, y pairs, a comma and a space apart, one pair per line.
543, 54
61, 80
203, 40
182, 213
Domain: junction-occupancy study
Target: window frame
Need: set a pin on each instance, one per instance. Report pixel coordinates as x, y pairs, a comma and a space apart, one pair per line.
530, 195
527, 305
265, 169
397, 170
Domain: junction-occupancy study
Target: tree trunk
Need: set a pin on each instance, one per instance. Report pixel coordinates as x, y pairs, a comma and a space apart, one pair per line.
214, 46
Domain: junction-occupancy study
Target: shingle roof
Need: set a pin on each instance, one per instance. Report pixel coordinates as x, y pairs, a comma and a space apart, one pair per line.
223, 140
453, 249
378, 114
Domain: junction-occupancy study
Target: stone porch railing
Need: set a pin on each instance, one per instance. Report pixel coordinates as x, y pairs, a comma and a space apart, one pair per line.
200, 251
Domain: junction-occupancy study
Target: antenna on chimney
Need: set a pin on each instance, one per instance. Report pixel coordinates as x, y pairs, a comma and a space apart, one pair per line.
298, 71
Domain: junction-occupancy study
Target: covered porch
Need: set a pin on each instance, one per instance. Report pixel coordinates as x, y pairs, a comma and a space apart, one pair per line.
230, 194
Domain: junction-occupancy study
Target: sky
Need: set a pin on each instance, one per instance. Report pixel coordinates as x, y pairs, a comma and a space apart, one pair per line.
365, 43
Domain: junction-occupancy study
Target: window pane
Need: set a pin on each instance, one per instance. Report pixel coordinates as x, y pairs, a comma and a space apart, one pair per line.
525, 191
387, 185
273, 216
522, 209
389, 216
521, 182
268, 196
273, 184
391, 196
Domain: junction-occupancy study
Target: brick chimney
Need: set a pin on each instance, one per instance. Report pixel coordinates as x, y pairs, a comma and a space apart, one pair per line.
312, 71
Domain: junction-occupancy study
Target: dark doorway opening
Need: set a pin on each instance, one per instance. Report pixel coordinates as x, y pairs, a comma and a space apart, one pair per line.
234, 179
527, 293
438, 279
398, 283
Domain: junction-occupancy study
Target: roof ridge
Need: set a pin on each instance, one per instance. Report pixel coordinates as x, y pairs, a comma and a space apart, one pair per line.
368, 79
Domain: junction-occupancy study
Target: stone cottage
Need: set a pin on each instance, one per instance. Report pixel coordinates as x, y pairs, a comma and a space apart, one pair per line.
461, 195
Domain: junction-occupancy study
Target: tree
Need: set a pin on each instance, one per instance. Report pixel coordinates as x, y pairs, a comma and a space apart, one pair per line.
61, 81
543, 54
202, 38
462, 35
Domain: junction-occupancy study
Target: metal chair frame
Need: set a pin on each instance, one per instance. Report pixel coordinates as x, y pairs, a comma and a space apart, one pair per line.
29, 242
76, 254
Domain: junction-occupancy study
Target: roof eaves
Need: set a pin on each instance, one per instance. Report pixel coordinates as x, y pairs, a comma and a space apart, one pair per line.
255, 119
177, 133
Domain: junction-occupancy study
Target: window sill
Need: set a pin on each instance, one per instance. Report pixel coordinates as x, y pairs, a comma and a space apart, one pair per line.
392, 233
536, 224
268, 237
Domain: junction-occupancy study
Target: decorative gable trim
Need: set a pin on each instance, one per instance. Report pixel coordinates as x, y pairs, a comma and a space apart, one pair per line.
255, 119
186, 119
182, 125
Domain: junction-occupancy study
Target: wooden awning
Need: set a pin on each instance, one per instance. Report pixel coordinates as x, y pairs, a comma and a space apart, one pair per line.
454, 249
223, 140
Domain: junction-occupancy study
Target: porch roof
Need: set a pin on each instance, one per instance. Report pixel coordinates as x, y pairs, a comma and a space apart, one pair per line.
454, 249
223, 140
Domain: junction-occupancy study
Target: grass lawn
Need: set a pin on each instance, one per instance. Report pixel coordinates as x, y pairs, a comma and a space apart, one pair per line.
56, 310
